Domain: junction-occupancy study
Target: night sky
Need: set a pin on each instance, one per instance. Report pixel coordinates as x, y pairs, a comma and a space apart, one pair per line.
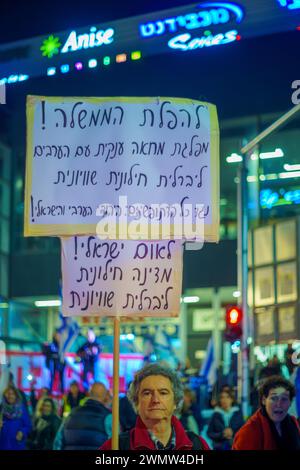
24, 19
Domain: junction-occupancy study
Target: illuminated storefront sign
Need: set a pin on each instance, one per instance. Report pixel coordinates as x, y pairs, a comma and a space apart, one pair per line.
50, 46
269, 198
290, 4
209, 14
185, 28
214, 13
185, 42
76, 42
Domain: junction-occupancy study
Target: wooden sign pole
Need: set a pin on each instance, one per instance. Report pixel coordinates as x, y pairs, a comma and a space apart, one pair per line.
115, 400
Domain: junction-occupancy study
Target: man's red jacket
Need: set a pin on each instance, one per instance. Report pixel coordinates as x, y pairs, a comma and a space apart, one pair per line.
140, 439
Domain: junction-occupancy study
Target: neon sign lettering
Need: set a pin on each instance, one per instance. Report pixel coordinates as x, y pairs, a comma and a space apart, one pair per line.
185, 43
290, 4
217, 13
86, 41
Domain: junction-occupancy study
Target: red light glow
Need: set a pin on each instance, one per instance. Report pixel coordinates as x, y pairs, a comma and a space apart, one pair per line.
233, 316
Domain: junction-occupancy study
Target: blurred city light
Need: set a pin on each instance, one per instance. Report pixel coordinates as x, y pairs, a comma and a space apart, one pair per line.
136, 55
128, 337
47, 303
65, 68
278, 153
288, 167
236, 294
235, 347
14, 78
23, 77
121, 58
271, 176
191, 299
106, 60
51, 71
289, 174
92, 63
251, 179
234, 158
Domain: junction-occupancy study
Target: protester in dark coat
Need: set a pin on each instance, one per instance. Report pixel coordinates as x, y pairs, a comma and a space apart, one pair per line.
271, 427
186, 416
89, 355
55, 360
15, 423
127, 414
86, 425
226, 420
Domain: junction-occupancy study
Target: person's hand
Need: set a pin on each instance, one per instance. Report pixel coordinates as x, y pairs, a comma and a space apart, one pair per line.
19, 436
228, 433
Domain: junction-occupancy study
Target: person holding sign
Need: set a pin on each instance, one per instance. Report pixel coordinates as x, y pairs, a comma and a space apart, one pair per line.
156, 393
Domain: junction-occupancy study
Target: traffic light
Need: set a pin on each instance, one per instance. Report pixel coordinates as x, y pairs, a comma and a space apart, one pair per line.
233, 319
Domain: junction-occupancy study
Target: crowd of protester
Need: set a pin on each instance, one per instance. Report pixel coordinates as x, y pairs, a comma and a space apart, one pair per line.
83, 420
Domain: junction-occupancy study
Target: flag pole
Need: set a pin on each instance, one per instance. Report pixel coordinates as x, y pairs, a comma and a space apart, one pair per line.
115, 400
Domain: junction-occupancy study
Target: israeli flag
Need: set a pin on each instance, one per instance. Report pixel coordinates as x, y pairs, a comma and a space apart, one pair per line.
68, 330
208, 368
163, 348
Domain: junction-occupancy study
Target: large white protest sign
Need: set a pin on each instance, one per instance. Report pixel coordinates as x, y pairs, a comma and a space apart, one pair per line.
121, 278
97, 165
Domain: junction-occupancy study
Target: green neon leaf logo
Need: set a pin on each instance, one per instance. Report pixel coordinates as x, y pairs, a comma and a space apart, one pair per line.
50, 46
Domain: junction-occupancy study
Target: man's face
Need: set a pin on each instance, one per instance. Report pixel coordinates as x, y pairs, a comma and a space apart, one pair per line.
156, 399
277, 404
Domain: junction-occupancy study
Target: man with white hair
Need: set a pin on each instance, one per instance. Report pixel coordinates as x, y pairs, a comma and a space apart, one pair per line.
156, 394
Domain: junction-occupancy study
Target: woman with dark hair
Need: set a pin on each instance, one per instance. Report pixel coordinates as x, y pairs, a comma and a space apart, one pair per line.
15, 422
271, 427
45, 426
